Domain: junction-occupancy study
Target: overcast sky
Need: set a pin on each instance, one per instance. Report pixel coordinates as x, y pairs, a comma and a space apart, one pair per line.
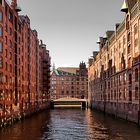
70, 28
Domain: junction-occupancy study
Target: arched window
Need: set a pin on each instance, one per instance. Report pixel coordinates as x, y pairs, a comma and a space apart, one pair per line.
136, 93
0, 46
136, 75
129, 62
0, 62
0, 31
127, 22
0, 16
130, 78
82, 97
130, 95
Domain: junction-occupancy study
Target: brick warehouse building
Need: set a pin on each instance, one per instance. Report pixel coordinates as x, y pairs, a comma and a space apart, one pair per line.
114, 71
69, 82
21, 58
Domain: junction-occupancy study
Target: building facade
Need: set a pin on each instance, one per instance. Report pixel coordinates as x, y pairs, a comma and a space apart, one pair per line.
114, 71
20, 62
44, 73
69, 82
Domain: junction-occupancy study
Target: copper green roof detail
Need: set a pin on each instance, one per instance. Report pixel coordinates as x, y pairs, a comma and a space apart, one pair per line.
55, 71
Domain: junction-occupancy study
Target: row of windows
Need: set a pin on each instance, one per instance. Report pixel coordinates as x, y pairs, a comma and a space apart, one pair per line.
5, 79
122, 95
6, 65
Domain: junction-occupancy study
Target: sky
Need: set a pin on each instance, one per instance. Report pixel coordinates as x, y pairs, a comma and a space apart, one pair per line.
70, 28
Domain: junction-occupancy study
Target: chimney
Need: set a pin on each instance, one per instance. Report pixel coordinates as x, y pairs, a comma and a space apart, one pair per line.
13, 4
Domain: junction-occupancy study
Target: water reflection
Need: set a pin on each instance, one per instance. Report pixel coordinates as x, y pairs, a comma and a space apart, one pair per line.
71, 124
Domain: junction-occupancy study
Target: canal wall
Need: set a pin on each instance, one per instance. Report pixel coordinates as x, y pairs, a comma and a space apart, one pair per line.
125, 111
12, 118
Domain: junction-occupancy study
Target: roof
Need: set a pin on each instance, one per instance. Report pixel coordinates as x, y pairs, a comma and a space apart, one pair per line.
131, 3
55, 71
71, 70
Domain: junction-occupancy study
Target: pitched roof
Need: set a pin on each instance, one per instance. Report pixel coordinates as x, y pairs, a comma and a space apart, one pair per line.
71, 70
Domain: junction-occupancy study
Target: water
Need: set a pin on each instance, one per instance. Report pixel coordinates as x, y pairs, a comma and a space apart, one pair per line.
71, 124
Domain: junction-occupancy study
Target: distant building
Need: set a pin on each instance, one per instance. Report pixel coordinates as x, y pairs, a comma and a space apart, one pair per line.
114, 71
69, 82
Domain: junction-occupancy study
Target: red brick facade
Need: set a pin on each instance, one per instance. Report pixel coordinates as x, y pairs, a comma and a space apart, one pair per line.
20, 62
114, 71
69, 82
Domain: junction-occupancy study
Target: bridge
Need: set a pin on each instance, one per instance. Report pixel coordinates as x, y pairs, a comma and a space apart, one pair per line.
69, 102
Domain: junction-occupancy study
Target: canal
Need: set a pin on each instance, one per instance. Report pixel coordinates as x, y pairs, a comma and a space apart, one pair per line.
71, 124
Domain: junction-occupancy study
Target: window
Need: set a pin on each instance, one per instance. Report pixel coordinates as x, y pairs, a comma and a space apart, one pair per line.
124, 77
19, 61
0, 47
10, 17
136, 75
135, 29
0, 77
127, 23
129, 62
6, 78
10, 31
124, 40
19, 40
1, 95
125, 93
0, 16
0, 31
119, 44
0, 62
10, 68
19, 27
10, 44
6, 53
6, 66
10, 94
10, 80
62, 92
19, 50
10, 56
136, 93
128, 37
19, 72
136, 42
5, 39
130, 78
6, 10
